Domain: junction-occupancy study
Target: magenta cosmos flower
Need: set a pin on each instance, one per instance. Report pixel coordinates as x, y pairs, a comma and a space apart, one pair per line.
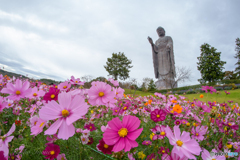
158, 115
67, 112
122, 135
51, 151
183, 144
18, 90
4, 140
208, 89
51, 95
100, 94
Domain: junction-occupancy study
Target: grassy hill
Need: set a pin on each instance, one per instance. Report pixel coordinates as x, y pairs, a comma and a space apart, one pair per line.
222, 97
11, 74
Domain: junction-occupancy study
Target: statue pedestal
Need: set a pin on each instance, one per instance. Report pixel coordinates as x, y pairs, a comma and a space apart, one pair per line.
162, 84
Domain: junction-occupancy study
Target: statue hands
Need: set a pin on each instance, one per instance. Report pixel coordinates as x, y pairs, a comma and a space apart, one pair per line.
150, 40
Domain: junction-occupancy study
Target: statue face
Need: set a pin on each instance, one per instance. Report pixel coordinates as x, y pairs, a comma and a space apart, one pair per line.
161, 32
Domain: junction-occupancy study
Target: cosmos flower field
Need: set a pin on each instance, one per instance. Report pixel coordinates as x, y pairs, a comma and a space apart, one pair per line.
66, 121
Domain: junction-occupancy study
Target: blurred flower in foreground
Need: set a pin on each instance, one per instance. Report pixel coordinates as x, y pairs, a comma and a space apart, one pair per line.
4, 140
183, 144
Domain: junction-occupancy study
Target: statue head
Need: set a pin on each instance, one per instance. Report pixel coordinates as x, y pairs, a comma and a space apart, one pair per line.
161, 31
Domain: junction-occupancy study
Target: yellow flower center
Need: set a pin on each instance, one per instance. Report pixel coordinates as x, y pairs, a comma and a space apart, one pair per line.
229, 124
64, 87
56, 86
62, 158
146, 142
52, 152
188, 124
117, 93
53, 96
9, 104
124, 108
41, 124
179, 143
65, 113
35, 123
12, 157
83, 139
90, 127
214, 159
197, 134
158, 116
116, 110
162, 133
101, 94
18, 92
123, 132
35, 94
76, 81
163, 151
105, 146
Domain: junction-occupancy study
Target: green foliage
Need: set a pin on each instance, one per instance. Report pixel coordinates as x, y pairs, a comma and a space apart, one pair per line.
210, 65
237, 56
151, 86
118, 66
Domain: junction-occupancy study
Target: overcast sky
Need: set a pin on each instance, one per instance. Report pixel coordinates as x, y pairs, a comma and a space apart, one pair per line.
57, 39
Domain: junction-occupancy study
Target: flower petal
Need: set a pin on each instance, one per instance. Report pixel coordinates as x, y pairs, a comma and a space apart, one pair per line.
54, 127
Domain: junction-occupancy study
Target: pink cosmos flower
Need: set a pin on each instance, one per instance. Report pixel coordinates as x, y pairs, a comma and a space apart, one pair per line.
18, 90
209, 89
36, 93
115, 83
67, 112
183, 144
199, 132
100, 94
76, 81
6, 139
159, 132
3, 104
119, 92
38, 128
173, 156
146, 143
61, 157
206, 155
123, 134
64, 86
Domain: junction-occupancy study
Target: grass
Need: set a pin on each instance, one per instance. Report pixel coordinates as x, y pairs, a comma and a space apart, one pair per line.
222, 97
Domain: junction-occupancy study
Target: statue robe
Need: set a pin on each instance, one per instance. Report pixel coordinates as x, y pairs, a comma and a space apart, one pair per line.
163, 59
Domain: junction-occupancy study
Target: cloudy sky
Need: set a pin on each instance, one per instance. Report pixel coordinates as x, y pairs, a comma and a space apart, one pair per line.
57, 39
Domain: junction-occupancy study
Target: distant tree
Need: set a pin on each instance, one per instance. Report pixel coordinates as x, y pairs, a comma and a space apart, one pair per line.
210, 65
228, 75
182, 74
151, 85
237, 56
146, 81
118, 66
87, 79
